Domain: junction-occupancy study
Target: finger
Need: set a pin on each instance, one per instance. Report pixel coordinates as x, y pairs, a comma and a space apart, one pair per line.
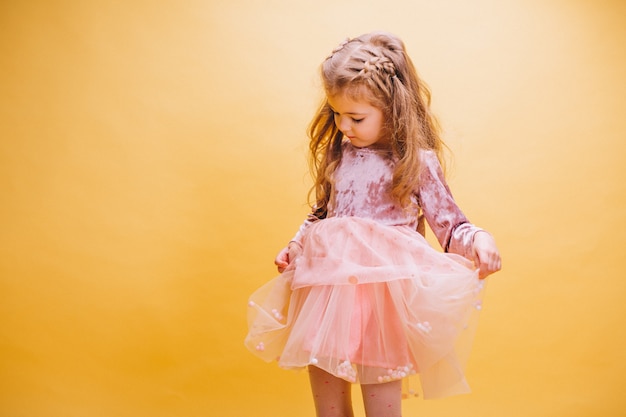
489, 268
477, 262
483, 272
281, 264
495, 263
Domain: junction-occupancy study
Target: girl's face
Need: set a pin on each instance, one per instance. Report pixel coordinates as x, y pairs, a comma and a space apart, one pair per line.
358, 120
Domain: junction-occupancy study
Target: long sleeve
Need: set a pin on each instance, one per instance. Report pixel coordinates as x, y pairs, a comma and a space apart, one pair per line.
311, 218
453, 230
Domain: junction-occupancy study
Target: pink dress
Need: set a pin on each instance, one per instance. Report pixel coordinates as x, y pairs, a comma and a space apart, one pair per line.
369, 300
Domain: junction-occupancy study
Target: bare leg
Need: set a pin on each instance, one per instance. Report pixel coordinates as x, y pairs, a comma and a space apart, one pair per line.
332, 395
382, 400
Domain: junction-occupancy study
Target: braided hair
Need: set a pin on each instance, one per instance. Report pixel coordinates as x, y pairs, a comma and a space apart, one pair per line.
374, 67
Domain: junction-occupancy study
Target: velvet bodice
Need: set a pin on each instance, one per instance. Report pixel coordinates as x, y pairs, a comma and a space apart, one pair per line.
362, 188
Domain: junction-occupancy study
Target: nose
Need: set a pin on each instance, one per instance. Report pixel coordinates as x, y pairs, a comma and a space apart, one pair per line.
343, 124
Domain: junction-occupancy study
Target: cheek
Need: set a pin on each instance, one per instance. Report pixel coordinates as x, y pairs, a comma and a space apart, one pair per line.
378, 129
384, 128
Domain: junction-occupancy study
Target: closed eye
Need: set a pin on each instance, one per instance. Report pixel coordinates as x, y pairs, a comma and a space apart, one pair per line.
354, 119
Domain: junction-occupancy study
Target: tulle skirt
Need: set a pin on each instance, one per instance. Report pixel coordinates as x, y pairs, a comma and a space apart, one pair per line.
370, 303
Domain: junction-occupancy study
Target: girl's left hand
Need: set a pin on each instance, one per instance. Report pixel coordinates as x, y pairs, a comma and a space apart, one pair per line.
486, 255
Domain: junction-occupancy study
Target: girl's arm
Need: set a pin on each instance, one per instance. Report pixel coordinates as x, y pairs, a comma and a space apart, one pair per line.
294, 248
453, 230
310, 219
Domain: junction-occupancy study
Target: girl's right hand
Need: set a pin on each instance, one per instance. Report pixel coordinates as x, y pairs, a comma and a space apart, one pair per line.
287, 255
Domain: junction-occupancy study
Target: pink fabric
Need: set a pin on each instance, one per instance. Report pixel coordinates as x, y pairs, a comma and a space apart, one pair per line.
369, 300
363, 182
352, 250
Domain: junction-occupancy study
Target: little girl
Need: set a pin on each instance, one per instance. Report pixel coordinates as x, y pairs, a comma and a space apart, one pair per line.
362, 297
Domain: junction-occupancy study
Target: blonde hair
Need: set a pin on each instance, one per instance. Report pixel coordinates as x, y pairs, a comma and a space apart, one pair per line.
374, 67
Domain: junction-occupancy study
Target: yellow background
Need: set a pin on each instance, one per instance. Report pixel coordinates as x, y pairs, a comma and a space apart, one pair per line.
152, 162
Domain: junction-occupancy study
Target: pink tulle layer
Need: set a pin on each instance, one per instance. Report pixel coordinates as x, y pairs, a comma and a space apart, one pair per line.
370, 303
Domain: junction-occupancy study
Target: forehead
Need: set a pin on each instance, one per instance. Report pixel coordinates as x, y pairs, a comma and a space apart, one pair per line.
344, 103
